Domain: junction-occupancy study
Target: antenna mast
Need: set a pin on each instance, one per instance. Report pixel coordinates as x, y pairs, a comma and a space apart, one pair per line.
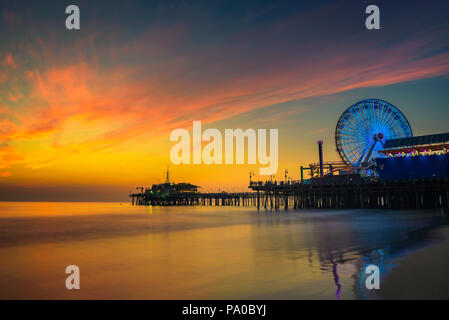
168, 175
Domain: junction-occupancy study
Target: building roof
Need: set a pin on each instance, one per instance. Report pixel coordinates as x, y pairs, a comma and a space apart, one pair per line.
410, 142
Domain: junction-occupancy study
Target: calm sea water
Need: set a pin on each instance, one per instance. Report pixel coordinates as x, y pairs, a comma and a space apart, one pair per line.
127, 252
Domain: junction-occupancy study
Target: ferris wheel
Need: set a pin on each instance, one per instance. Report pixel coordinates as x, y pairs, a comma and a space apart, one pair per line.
363, 128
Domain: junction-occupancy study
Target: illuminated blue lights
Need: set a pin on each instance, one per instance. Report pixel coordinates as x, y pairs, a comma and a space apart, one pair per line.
364, 127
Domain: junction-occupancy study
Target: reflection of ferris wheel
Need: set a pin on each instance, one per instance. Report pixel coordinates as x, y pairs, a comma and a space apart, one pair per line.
363, 128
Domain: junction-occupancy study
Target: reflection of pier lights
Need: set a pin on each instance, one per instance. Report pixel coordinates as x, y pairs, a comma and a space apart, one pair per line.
336, 278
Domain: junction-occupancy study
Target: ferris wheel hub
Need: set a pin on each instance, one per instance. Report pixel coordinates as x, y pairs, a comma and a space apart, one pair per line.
378, 136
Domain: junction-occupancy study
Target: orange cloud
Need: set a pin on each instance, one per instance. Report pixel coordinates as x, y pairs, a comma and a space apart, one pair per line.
84, 102
116, 105
5, 174
8, 61
16, 97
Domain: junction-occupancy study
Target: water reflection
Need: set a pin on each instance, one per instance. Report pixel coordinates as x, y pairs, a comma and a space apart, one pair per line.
354, 239
202, 252
336, 279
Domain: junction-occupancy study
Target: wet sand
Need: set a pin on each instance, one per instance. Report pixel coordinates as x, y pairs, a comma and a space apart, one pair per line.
422, 274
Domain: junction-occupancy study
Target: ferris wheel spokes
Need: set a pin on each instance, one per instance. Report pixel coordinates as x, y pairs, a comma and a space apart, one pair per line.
364, 126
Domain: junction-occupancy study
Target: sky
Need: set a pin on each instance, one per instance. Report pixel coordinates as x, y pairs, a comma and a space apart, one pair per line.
86, 115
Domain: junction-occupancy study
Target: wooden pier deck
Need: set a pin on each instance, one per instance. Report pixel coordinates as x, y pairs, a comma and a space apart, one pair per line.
333, 193
191, 199
354, 193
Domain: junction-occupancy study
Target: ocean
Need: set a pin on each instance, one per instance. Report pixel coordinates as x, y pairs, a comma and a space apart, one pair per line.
132, 252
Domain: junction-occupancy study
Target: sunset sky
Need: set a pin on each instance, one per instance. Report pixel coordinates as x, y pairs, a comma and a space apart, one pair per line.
87, 114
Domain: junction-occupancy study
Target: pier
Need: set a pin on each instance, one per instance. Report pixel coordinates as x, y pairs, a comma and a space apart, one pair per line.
334, 192
194, 199
354, 192
378, 170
